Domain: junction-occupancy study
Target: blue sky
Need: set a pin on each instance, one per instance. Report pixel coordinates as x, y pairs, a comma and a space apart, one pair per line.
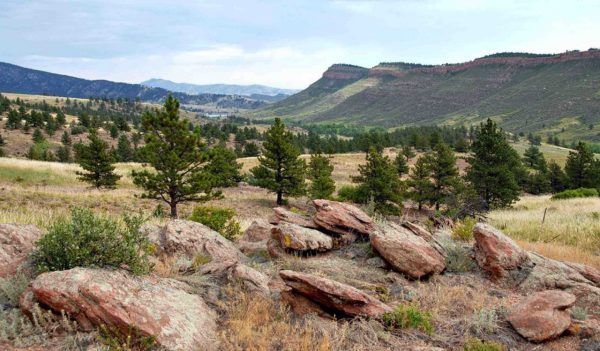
283, 43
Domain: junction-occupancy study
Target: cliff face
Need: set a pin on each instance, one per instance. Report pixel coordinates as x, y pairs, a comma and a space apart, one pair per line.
345, 72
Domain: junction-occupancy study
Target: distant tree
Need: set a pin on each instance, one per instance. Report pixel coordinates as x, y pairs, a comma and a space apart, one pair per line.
2, 144
533, 157
319, 172
64, 154
40, 151
251, 150
580, 167
51, 126
445, 179
401, 164
65, 139
177, 156
61, 119
37, 136
494, 167
97, 162
84, 120
14, 120
558, 178
419, 181
379, 181
280, 170
124, 150
114, 131
223, 166
408, 153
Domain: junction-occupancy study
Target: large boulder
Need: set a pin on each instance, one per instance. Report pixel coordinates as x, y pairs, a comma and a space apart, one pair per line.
295, 237
281, 215
16, 242
342, 218
259, 230
187, 238
149, 305
543, 315
496, 253
333, 296
250, 278
406, 252
436, 239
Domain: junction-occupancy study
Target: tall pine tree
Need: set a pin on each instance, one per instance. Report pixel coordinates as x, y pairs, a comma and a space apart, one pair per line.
319, 172
97, 162
280, 170
444, 174
419, 181
580, 167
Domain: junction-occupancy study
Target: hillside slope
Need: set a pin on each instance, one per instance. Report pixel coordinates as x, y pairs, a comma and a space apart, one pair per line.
558, 94
17, 79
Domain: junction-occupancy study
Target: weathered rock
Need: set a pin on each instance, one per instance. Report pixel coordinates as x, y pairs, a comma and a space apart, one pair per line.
252, 279
588, 272
406, 252
259, 230
274, 249
149, 305
251, 247
281, 215
189, 238
495, 252
543, 315
342, 218
154, 234
295, 237
16, 242
301, 305
434, 239
333, 296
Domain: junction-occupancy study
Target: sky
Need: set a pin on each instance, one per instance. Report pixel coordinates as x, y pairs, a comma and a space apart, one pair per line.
281, 43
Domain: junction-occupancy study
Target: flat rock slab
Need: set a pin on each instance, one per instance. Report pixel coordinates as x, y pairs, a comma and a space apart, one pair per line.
295, 237
342, 218
281, 215
150, 305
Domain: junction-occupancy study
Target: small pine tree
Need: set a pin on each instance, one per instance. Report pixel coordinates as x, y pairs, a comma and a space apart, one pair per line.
379, 181
37, 136
64, 154
251, 150
401, 164
14, 120
558, 178
280, 170
319, 172
114, 131
533, 158
66, 138
124, 150
419, 181
444, 174
61, 119
579, 167
97, 162
223, 166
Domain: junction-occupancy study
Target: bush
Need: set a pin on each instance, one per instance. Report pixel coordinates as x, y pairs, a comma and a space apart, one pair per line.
458, 259
354, 194
463, 231
485, 321
90, 240
574, 193
473, 344
408, 316
12, 287
221, 220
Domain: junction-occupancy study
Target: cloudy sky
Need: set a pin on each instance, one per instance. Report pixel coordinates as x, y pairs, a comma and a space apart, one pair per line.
283, 43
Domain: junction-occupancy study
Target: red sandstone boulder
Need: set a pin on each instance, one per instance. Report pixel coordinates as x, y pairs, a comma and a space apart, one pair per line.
434, 239
543, 315
495, 252
406, 252
334, 296
252, 279
16, 242
281, 215
342, 218
295, 237
259, 230
150, 305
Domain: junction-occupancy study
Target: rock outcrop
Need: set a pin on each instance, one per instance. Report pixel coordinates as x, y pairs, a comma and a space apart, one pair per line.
406, 252
295, 237
252, 279
259, 230
435, 239
543, 315
149, 305
281, 215
337, 298
496, 253
341, 218
16, 242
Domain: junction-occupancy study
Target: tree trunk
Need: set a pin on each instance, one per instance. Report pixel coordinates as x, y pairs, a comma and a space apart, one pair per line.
279, 198
173, 205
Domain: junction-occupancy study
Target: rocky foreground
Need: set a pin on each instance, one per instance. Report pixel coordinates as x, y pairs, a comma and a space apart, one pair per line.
336, 267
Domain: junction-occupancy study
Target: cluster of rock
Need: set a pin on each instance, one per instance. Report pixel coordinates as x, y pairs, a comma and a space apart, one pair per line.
179, 320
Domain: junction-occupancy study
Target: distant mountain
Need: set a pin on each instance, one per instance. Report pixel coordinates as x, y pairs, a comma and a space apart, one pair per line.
17, 79
547, 94
229, 89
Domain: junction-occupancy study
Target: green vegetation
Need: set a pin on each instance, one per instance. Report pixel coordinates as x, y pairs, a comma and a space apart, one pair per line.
473, 344
90, 240
221, 220
97, 162
320, 169
408, 316
463, 230
575, 193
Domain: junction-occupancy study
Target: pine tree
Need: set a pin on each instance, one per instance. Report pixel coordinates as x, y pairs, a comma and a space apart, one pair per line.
251, 150
64, 154
114, 131
97, 162
61, 119
532, 157
445, 179
419, 181
579, 167
38, 137
124, 151
558, 178
379, 180
319, 172
14, 120
177, 156
223, 165
401, 164
65, 138
495, 167
408, 153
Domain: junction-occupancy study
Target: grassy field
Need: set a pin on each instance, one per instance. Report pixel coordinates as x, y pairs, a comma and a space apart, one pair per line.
39, 192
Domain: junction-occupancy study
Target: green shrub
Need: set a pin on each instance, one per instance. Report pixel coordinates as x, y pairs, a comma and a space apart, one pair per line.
458, 259
579, 313
463, 231
90, 240
485, 321
221, 220
574, 193
352, 193
474, 344
12, 287
408, 316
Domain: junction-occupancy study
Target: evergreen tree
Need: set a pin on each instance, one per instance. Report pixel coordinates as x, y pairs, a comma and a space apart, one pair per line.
379, 181
408, 153
14, 120
532, 157
61, 119
580, 167
38, 137
445, 179
114, 131
419, 181
251, 150
223, 165
558, 178
65, 139
97, 162
401, 164
177, 156
495, 167
64, 154
2, 143
124, 151
319, 172
280, 170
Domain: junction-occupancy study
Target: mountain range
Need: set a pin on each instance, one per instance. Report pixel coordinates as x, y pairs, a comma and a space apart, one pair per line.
17, 79
551, 94
228, 89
